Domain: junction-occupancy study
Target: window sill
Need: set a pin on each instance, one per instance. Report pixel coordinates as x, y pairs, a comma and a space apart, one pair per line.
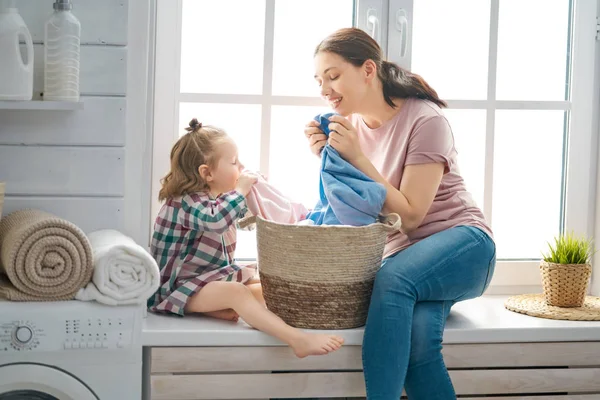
482, 320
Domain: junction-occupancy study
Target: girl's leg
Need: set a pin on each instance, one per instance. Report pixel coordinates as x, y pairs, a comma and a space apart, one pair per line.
227, 315
230, 315
256, 289
454, 264
219, 295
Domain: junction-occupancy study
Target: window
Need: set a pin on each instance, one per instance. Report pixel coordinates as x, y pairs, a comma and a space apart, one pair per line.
250, 73
515, 75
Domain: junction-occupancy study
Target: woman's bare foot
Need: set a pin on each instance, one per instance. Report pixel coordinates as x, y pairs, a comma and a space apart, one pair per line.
315, 344
228, 315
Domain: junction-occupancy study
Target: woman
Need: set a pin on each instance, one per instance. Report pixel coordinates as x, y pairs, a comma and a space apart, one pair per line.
392, 128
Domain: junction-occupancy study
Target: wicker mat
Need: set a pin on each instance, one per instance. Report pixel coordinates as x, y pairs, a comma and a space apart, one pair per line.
535, 306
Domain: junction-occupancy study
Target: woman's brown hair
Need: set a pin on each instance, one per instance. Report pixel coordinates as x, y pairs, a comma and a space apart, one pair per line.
356, 46
195, 148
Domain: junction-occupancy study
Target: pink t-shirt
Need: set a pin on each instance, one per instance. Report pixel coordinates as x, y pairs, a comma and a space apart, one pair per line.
419, 134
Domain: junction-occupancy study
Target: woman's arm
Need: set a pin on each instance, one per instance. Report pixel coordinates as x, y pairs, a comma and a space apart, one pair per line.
418, 188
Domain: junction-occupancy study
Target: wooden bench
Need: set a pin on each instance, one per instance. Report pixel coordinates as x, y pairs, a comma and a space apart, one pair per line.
488, 350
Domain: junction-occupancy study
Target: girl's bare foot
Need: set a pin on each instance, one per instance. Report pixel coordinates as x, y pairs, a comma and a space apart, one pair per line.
315, 344
228, 315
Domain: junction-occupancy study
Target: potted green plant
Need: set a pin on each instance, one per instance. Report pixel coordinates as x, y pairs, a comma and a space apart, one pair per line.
566, 270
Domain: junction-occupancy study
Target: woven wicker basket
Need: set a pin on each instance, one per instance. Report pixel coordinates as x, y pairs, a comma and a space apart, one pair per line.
565, 285
320, 277
2, 187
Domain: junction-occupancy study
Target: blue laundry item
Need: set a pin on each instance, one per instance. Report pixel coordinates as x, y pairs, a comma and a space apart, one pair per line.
346, 195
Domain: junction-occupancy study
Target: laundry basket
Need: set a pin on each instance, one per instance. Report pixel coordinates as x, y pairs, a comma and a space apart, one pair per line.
320, 277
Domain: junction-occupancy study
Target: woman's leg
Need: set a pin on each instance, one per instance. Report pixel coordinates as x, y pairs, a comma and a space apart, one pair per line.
451, 265
219, 295
427, 376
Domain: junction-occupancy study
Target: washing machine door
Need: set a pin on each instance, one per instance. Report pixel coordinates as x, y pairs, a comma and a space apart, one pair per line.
27, 381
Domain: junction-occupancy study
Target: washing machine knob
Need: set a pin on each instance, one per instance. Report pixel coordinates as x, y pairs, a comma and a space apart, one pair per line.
23, 334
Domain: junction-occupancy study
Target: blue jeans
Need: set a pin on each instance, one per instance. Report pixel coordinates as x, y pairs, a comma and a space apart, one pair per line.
412, 296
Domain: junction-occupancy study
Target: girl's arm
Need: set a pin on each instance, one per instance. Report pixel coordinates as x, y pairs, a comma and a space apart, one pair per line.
213, 215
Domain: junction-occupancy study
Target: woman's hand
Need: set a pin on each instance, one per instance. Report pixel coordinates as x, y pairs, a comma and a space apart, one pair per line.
343, 138
316, 138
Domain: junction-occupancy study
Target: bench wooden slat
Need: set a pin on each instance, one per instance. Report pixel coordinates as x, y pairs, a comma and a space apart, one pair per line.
351, 384
558, 397
348, 358
572, 354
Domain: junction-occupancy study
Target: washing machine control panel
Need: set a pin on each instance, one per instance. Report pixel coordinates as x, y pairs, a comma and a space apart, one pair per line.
106, 328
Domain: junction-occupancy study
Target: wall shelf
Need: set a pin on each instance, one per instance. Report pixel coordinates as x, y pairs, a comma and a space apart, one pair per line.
41, 105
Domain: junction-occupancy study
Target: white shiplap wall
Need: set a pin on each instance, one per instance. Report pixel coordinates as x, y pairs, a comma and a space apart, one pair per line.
73, 163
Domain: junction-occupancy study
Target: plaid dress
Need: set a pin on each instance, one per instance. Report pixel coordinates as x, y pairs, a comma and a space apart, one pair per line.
193, 243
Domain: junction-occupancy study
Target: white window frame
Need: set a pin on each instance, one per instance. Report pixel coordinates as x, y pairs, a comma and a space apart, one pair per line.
580, 197
595, 284
517, 276
168, 97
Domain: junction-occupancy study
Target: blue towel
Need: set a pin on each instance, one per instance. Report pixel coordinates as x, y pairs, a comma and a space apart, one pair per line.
346, 195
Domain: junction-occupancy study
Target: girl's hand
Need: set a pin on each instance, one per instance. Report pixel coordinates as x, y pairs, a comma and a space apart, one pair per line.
316, 138
343, 138
245, 182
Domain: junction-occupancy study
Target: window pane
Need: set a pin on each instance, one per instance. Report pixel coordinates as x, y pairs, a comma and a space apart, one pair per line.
246, 245
450, 46
299, 28
468, 127
293, 169
222, 50
240, 121
528, 160
532, 49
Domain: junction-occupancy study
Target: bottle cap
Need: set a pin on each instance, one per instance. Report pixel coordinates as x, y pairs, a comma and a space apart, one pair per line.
62, 5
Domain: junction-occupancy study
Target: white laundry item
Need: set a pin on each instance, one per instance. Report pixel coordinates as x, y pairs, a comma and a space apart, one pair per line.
124, 272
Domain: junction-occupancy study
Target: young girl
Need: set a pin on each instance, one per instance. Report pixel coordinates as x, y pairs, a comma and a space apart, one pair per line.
194, 240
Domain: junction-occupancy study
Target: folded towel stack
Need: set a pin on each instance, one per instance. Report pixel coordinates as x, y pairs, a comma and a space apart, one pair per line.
42, 257
124, 272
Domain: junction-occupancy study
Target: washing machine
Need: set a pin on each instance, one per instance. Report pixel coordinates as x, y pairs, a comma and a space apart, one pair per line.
70, 350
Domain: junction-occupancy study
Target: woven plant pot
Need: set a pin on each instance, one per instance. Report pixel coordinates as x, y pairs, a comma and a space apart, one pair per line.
565, 285
2, 188
320, 277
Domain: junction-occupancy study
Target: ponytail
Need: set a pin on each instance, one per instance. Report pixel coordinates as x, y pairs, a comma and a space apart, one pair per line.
401, 83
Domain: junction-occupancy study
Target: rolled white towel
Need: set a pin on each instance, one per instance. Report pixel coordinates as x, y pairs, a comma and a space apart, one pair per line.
124, 272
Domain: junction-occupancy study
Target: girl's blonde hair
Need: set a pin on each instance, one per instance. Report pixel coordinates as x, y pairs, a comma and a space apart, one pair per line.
195, 148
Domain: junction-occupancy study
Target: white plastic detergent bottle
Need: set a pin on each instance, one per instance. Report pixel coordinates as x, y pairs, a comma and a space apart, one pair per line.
16, 66
61, 54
